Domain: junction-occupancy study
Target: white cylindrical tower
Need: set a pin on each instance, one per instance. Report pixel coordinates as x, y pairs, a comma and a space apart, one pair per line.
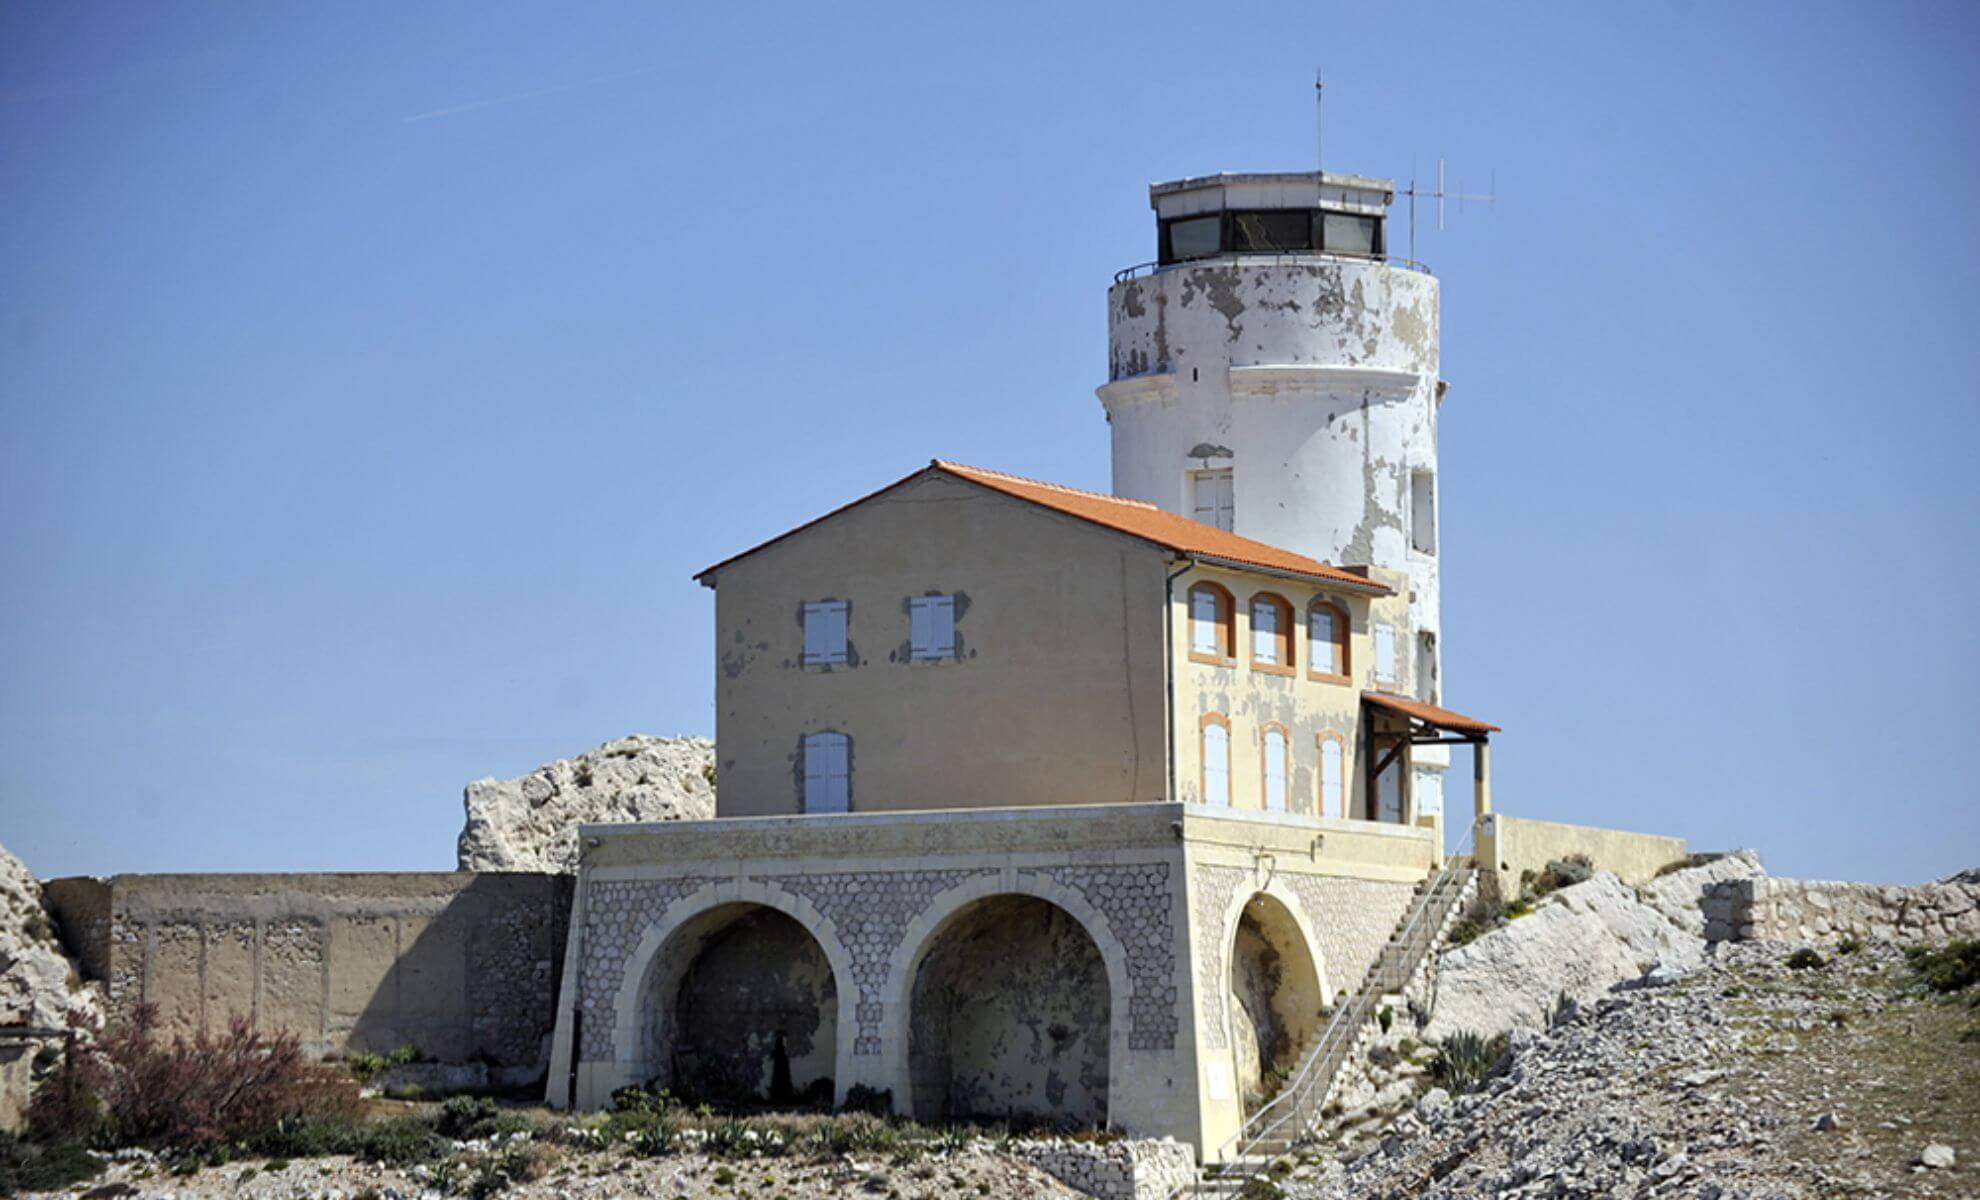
1274, 372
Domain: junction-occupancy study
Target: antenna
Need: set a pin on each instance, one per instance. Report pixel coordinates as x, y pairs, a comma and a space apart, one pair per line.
1440, 196
1319, 123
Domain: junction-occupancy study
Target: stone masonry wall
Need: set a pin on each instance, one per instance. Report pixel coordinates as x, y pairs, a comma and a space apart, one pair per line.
1129, 1170
461, 966
1764, 908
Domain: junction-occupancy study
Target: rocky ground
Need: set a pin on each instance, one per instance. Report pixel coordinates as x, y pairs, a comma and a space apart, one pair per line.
530, 823
1744, 1078
558, 1172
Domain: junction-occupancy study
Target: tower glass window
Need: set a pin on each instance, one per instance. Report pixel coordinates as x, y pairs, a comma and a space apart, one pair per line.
1275, 769
827, 773
932, 627
1346, 233
1212, 499
1216, 761
825, 633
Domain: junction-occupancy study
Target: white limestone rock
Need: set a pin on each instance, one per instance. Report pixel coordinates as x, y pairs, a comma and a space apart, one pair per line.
1680, 895
38, 984
1582, 940
530, 823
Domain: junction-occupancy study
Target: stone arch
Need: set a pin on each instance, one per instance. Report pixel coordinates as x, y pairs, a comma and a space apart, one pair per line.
1275, 985
925, 931
635, 1003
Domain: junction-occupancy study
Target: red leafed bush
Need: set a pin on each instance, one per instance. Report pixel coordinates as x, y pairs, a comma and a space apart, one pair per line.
130, 1087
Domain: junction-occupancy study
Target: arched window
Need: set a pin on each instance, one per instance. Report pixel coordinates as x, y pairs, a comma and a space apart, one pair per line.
1327, 641
1333, 775
1216, 760
1275, 754
827, 773
1271, 634
1211, 637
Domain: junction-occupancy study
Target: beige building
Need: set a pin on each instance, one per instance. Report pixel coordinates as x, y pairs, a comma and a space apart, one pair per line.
1035, 804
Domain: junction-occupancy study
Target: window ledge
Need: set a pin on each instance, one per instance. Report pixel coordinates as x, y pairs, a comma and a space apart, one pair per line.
1323, 677
1273, 669
1211, 660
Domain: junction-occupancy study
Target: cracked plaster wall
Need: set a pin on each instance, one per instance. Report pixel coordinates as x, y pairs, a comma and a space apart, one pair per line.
1209, 358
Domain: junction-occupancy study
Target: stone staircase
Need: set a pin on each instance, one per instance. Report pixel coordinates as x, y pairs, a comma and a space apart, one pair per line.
1276, 1128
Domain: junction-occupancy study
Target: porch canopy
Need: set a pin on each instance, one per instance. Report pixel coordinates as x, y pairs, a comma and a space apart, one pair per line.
1429, 725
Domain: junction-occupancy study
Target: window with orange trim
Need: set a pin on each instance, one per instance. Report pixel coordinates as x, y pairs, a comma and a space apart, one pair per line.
1276, 751
1333, 775
1327, 641
1212, 637
1216, 746
1271, 634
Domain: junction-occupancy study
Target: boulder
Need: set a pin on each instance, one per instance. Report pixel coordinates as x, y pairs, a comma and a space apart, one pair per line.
530, 823
39, 986
1582, 940
1680, 895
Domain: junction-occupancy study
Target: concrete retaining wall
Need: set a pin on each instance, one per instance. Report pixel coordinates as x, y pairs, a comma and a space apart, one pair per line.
460, 965
1508, 847
1821, 911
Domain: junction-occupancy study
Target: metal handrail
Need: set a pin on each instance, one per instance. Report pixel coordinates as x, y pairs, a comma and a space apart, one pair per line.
1150, 268
1401, 950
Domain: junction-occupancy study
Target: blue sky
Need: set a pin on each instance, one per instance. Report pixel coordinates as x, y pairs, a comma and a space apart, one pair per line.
373, 377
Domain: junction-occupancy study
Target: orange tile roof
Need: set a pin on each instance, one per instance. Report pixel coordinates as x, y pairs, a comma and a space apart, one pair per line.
1429, 714
1136, 518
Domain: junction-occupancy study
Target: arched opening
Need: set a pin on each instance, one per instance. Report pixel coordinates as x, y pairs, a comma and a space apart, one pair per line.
1008, 1018
741, 1008
1275, 998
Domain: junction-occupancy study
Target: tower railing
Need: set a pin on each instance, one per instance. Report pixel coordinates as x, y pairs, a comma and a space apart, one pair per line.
1140, 270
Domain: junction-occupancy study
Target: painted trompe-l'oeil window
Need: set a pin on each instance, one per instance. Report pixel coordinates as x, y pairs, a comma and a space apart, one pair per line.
1271, 633
1327, 641
1333, 775
827, 773
1275, 752
932, 627
1210, 625
825, 632
1385, 652
1216, 761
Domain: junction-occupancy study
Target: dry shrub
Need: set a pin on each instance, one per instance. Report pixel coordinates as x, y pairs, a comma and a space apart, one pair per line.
130, 1087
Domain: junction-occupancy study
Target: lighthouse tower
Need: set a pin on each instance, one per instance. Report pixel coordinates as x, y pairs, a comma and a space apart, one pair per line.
1274, 372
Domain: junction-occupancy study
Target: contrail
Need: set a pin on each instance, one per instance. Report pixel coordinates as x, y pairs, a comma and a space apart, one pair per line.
472, 105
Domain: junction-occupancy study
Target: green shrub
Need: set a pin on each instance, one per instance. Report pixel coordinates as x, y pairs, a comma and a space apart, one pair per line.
1466, 1059
400, 1142
467, 1117
1951, 968
1260, 1188
1849, 945
43, 1167
854, 1133
1464, 931
1385, 1017
1805, 959
724, 1176
1560, 873
363, 1064
1515, 909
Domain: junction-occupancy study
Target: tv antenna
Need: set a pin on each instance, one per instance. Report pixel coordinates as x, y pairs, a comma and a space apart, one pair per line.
1441, 195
